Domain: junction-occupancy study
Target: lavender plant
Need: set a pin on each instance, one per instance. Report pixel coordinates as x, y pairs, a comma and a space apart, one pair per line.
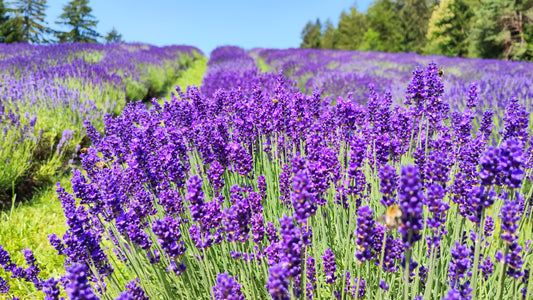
249, 188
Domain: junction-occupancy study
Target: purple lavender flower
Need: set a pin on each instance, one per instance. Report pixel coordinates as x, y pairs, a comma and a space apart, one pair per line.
291, 246
4, 286
272, 233
487, 267
462, 126
411, 200
81, 242
423, 273
236, 219
169, 236
511, 160
285, 185
525, 282
516, 122
303, 196
510, 215
485, 128
78, 288
227, 288
242, 161
135, 291
415, 88
453, 294
262, 186
153, 258
33, 270
258, 227
460, 264
278, 283
177, 269
195, 196
311, 277
383, 285
473, 93
389, 184
394, 250
65, 139
361, 291
514, 261
436, 205
215, 176
364, 234
489, 226
490, 167
330, 267
479, 198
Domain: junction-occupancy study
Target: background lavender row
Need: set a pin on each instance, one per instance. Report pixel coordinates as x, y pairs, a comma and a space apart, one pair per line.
338, 73
49, 91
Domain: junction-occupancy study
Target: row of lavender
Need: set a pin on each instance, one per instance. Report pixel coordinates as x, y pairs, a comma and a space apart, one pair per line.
47, 92
260, 191
338, 73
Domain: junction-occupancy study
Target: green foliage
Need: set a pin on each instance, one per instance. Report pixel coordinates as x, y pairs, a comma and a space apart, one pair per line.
192, 76
371, 40
468, 28
330, 36
135, 90
502, 28
311, 35
351, 30
413, 20
29, 15
10, 28
383, 21
26, 226
157, 80
77, 16
449, 27
113, 36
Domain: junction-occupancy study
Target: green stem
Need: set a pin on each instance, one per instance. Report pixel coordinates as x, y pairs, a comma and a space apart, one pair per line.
407, 265
429, 284
501, 281
476, 254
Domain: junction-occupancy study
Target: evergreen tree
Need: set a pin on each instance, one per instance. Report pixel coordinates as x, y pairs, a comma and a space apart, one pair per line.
330, 36
10, 28
311, 35
113, 36
501, 29
383, 20
413, 17
77, 15
371, 41
30, 17
351, 30
448, 29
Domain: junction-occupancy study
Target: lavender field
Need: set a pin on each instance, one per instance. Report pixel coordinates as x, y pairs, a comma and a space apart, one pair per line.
288, 174
48, 92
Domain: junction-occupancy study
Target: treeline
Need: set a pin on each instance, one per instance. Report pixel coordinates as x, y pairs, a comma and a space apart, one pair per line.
468, 28
23, 21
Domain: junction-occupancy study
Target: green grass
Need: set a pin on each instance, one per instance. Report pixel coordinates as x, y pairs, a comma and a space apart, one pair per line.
192, 76
27, 226
262, 65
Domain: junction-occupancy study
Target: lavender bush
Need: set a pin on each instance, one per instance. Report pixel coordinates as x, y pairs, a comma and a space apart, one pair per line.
262, 192
48, 92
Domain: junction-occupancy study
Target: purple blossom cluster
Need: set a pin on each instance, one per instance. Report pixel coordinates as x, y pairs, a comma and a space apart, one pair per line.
70, 84
227, 288
248, 174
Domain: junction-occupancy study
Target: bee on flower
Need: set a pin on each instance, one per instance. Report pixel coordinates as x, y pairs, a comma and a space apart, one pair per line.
392, 216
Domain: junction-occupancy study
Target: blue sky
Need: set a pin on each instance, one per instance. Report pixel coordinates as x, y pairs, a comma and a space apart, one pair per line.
211, 23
